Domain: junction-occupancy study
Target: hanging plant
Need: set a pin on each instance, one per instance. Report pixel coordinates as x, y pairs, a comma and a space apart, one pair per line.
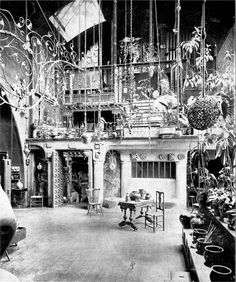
203, 112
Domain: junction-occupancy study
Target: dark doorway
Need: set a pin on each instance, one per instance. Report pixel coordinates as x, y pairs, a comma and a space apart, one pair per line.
214, 166
80, 176
41, 176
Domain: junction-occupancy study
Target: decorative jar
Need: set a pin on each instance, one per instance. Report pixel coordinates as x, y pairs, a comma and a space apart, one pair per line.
198, 233
201, 244
142, 193
147, 196
135, 196
213, 255
220, 273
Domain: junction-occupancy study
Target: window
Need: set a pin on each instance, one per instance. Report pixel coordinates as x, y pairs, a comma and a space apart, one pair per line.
153, 170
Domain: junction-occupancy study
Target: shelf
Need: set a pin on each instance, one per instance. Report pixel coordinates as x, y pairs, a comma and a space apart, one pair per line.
195, 262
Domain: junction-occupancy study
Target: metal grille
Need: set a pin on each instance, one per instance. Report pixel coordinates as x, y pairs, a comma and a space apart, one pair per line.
154, 170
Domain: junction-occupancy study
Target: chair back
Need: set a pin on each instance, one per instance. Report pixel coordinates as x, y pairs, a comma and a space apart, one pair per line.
160, 201
93, 195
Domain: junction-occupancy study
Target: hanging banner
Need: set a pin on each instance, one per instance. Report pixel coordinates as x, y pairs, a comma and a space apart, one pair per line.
77, 17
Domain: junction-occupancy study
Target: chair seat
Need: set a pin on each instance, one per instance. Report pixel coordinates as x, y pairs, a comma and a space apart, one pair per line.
36, 200
36, 197
93, 204
156, 217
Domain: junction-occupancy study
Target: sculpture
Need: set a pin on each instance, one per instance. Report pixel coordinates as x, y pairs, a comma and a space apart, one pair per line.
7, 222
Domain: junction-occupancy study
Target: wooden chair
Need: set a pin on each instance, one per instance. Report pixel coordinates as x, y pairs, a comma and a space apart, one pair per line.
156, 218
94, 203
36, 200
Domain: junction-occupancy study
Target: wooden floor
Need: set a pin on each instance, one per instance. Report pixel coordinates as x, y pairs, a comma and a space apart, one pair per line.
64, 244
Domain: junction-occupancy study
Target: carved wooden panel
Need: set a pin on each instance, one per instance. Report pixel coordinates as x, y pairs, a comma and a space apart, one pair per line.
58, 179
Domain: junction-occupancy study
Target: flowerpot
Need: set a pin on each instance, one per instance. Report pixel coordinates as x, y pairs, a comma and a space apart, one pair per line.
220, 273
86, 138
201, 244
213, 255
185, 220
198, 233
197, 222
148, 196
142, 193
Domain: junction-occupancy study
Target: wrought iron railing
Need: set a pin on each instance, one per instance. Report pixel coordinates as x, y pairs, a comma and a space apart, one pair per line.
118, 84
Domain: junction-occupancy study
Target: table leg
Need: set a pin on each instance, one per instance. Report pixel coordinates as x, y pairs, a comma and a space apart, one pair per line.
123, 223
131, 221
141, 213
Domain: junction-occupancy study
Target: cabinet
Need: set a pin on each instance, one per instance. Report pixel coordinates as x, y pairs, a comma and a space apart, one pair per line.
18, 192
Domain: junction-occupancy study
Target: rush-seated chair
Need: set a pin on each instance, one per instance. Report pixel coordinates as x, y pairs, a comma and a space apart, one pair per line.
155, 217
94, 203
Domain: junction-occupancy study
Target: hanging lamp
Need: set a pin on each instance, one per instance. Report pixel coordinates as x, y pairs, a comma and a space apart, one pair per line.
112, 161
204, 111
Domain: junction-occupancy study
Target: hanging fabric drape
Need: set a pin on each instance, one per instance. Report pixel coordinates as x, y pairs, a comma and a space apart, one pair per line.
67, 21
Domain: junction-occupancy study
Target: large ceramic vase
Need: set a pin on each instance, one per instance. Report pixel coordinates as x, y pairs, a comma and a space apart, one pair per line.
7, 222
220, 273
213, 255
142, 193
185, 220
197, 222
135, 196
201, 244
198, 233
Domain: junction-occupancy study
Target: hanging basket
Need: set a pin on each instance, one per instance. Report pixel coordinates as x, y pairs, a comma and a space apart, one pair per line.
203, 113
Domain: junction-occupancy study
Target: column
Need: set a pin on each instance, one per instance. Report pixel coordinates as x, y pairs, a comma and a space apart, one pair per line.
98, 176
90, 169
125, 176
49, 184
181, 182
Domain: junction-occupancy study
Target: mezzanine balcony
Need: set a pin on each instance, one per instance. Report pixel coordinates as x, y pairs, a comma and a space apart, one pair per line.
121, 83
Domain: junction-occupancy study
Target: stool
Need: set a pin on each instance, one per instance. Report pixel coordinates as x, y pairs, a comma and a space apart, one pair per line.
36, 200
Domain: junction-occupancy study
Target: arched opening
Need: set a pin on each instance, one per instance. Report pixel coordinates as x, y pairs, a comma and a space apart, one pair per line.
40, 175
112, 183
